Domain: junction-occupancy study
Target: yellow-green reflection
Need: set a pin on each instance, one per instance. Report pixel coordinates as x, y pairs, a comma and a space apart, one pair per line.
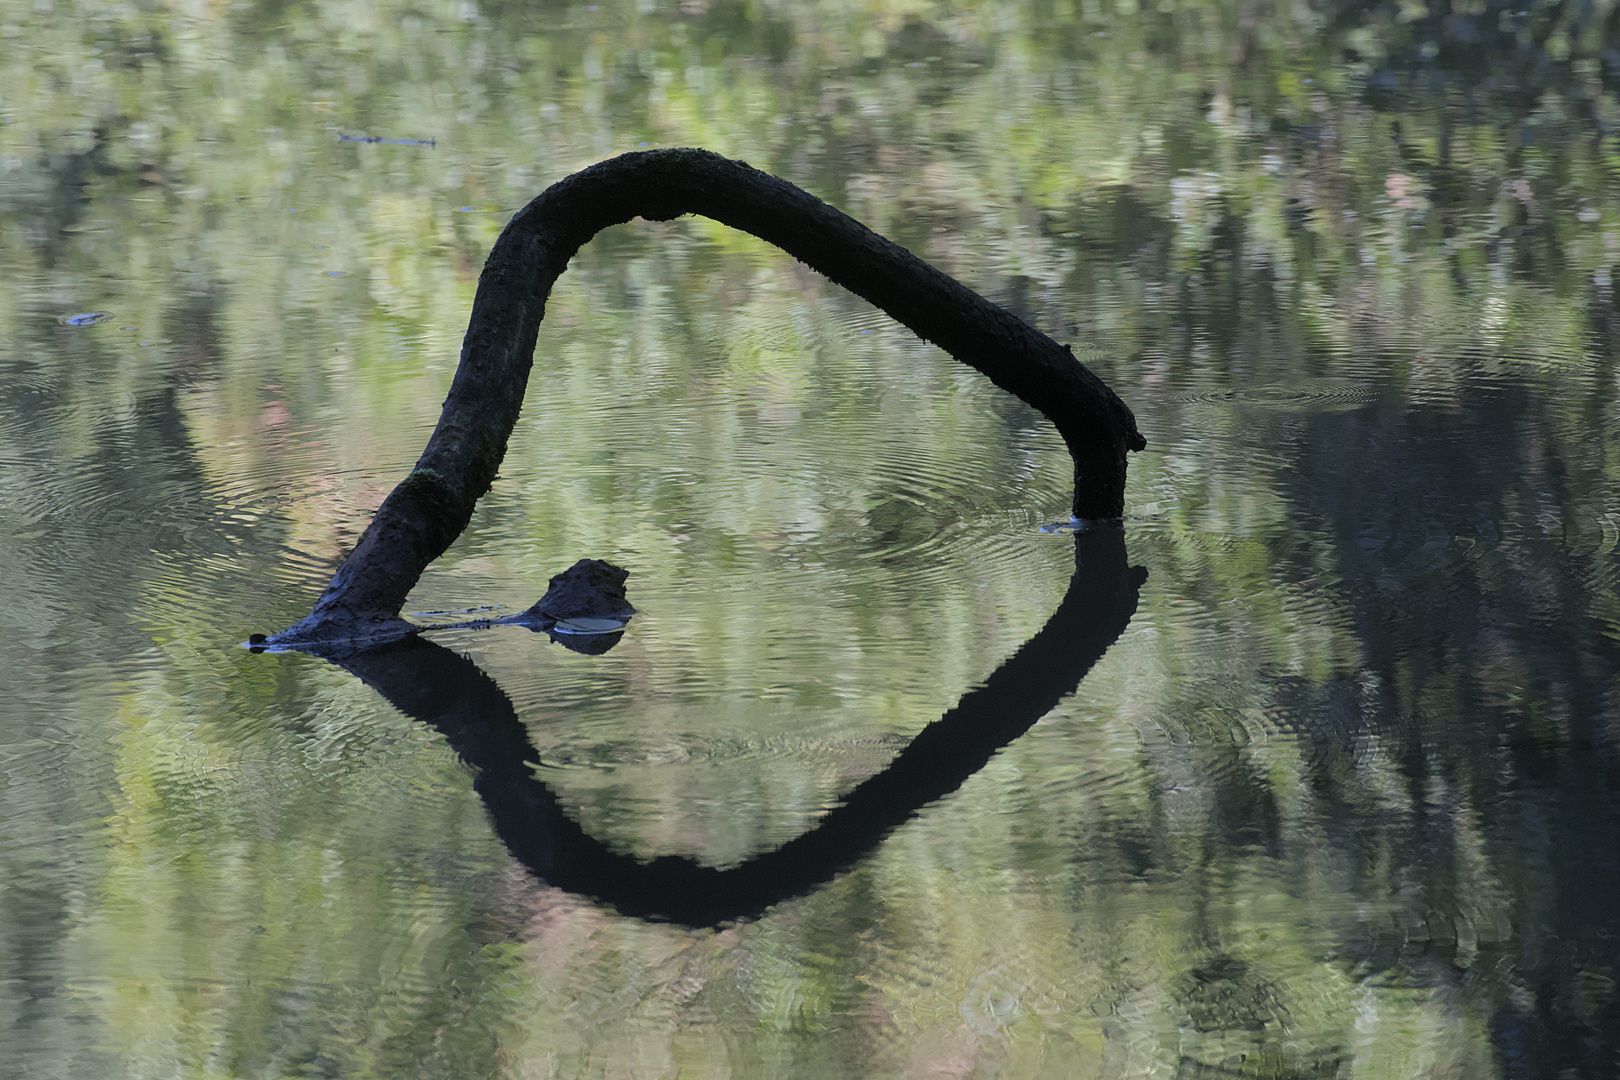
1338, 804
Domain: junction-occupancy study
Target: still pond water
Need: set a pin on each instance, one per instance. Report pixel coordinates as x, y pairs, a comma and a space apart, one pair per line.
1330, 787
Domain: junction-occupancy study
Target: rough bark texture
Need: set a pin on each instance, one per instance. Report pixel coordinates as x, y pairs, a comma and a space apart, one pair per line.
431, 506
590, 589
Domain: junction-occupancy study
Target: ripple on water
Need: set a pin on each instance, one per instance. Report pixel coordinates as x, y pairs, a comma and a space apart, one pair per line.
898, 504
1313, 395
85, 318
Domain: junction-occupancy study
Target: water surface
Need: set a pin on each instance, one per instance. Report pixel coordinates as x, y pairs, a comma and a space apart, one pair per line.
1340, 801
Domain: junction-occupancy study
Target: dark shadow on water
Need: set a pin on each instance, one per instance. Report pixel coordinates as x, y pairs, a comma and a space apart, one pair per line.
448, 691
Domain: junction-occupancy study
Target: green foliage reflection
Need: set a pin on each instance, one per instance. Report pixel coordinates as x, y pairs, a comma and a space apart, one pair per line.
1340, 802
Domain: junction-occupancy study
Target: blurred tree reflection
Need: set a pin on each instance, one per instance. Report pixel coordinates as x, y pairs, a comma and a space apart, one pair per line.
1341, 802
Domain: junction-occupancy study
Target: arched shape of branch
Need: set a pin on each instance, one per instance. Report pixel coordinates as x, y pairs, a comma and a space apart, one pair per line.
430, 507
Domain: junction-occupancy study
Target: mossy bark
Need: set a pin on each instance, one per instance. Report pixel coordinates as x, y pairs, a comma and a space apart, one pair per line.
431, 506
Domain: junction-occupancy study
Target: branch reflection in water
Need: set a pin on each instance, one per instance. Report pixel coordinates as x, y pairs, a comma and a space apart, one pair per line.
448, 691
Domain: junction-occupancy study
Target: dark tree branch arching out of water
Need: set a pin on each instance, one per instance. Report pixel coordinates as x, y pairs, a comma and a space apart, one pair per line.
427, 511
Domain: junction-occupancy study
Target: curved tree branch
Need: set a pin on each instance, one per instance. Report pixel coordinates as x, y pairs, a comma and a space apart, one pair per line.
430, 507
